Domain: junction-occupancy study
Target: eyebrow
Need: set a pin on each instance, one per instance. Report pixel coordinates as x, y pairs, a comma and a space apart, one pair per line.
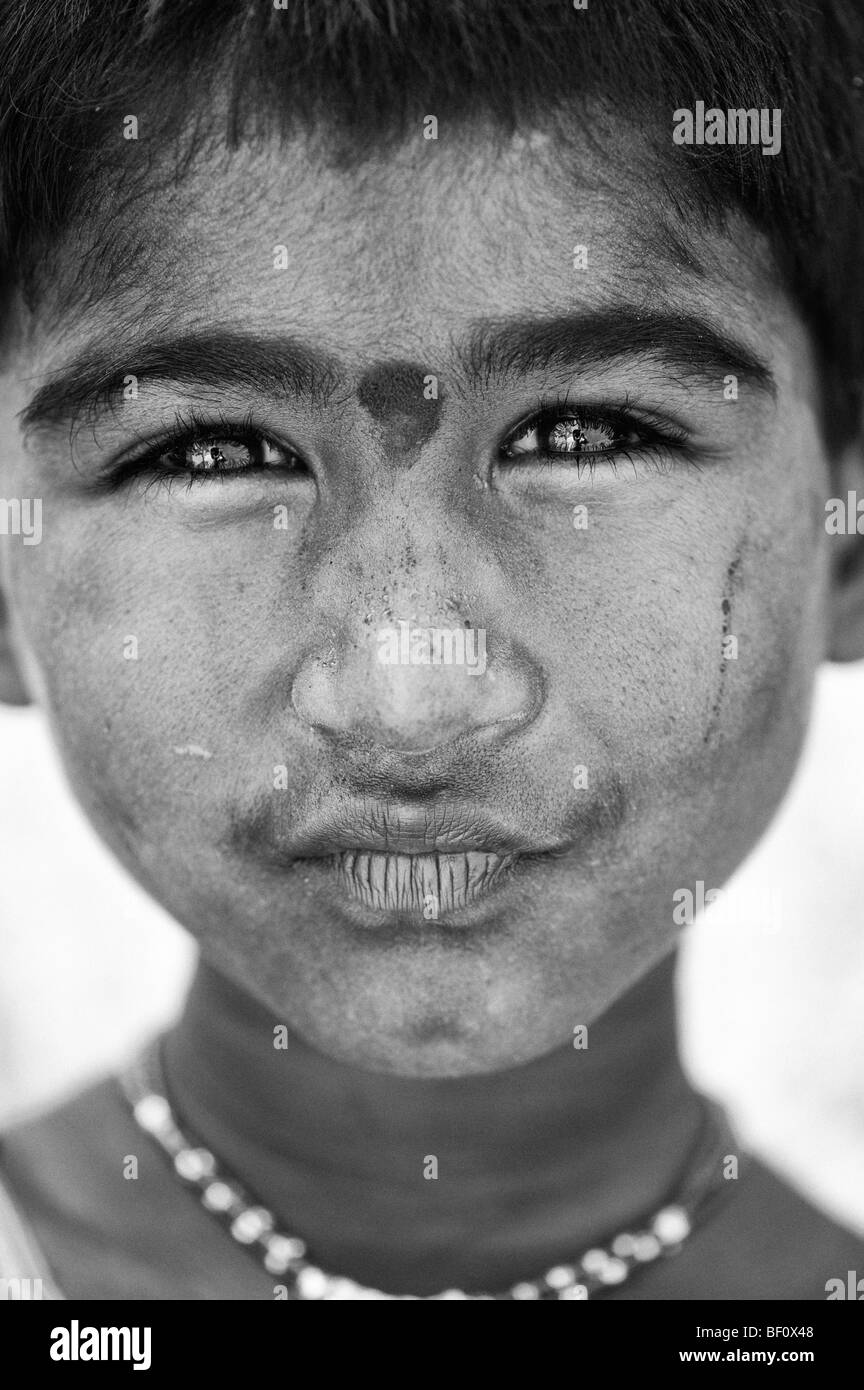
213, 360
496, 349
690, 345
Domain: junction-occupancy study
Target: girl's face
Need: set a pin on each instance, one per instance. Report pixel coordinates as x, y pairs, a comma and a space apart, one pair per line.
305, 413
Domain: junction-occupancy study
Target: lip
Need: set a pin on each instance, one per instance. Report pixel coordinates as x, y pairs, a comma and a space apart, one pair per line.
401, 828
429, 860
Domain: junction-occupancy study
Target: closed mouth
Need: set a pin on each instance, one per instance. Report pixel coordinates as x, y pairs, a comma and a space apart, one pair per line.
420, 830
425, 860
432, 885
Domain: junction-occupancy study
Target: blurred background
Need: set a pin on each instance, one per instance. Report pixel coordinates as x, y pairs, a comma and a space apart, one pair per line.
771, 979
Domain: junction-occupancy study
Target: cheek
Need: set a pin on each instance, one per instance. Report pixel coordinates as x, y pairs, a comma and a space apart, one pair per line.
775, 610
145, 650
684, 630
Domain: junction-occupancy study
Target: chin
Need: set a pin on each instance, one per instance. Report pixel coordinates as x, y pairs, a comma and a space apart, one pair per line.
438, 1046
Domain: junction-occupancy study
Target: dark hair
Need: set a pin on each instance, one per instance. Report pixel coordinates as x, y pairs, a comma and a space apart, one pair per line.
365, 71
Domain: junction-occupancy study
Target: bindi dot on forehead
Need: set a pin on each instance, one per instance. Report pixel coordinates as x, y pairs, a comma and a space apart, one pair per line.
405, 399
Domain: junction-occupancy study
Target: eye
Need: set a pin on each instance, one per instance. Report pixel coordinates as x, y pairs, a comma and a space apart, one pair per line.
557, 434
199, 451
224, 454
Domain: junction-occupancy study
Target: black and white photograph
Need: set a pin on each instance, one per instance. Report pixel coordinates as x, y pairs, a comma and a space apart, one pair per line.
432, 665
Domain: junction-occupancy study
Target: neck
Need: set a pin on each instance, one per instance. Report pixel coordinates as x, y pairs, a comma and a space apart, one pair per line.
532, 1164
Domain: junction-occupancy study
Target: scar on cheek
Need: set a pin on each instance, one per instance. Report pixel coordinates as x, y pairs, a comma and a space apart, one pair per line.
728, 643
405, 399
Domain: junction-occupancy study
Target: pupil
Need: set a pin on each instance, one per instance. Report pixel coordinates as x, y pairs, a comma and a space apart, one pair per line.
567, 437
205, 457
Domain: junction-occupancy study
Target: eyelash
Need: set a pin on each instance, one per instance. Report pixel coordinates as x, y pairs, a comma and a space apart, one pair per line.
193, 428
657, 439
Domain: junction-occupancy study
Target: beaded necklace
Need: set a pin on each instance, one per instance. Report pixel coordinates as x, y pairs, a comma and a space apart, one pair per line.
285, 1256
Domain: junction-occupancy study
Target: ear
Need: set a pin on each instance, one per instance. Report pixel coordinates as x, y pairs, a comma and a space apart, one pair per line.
844, 522
12, 688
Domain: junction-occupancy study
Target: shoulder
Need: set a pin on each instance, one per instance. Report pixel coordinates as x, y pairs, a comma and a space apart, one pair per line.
43, 1158
108, 1212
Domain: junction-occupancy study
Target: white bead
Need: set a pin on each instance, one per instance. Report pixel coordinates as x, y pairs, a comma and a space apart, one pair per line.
251, 1224
575, 1291
194, 1164
624, 1246
560, 1276
451, 1293
274, 1264
525, 1291
281, 1252
613, 1272
285, 1248
312, 1283
218, 1196
153, 1113
646, 1248
594, 1260
671, 1225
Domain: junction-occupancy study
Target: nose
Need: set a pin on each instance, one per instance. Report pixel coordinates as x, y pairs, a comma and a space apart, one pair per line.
414, 688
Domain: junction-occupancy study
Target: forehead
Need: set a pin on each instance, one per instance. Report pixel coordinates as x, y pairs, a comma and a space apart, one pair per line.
392, 258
